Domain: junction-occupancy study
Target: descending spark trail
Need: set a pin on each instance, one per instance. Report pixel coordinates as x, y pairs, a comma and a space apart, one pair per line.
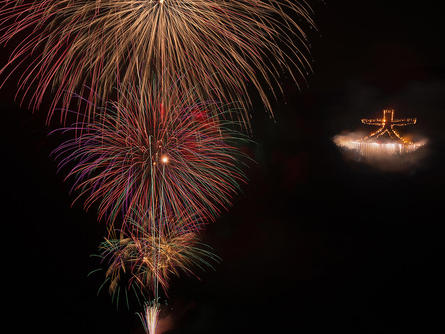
226, 46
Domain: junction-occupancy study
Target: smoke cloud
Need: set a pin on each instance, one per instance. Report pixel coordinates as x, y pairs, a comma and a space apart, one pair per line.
385, 156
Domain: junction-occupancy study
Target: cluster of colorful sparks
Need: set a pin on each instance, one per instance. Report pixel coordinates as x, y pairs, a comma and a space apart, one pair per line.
159, 94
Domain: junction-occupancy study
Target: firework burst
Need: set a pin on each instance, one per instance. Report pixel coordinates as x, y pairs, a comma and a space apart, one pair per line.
155, 154
146, 256
226, 46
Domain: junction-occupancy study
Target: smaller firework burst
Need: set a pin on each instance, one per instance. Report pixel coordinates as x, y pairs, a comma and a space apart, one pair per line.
149, 254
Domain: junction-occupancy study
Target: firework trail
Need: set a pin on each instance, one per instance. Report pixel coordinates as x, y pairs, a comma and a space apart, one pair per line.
155, 154
226, 46
149, 318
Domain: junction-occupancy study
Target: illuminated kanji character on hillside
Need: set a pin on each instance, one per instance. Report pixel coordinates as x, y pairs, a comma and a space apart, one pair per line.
387, 126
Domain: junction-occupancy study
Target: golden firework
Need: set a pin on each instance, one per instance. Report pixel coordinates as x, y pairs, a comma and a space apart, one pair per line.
89, 47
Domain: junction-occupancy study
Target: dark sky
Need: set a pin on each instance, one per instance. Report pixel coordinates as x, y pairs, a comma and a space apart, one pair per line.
315, 243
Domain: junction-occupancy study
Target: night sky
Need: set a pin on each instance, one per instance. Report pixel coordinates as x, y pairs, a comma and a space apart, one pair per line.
314, 244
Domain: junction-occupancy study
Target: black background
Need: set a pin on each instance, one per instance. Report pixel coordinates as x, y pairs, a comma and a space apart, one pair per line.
315, 243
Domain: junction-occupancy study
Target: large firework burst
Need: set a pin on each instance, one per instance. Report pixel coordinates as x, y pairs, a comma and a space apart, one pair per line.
155, 154
224, 45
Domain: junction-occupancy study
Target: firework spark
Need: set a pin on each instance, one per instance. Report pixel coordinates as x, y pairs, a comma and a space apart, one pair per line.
225, 46
149, 152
